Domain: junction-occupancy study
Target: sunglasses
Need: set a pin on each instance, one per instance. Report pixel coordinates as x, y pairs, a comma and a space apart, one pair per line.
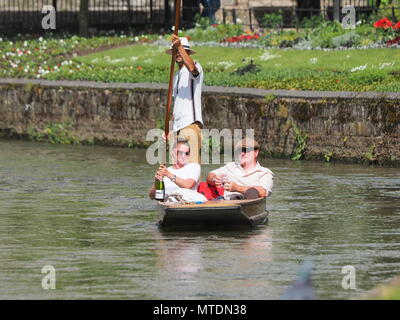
183, 153
247, 150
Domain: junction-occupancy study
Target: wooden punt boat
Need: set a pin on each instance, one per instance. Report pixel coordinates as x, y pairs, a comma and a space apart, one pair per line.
213, 214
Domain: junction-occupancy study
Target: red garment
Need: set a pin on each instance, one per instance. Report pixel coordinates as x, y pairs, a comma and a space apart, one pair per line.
210, 192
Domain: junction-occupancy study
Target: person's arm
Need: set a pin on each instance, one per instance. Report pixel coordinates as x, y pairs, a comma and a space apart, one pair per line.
180, 182
234, 187
187, 60
214, 180
152, 192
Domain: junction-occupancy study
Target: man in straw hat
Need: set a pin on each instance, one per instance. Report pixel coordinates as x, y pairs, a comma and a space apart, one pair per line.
187, 117
245, 178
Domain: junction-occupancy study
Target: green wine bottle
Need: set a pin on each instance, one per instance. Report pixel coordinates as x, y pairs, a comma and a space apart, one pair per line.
160, 190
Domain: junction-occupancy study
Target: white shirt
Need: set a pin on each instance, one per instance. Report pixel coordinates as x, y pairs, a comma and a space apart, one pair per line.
258, 176
189, 171
182, 93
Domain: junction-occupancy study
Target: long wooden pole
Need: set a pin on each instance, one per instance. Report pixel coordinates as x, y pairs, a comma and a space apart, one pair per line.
171, 78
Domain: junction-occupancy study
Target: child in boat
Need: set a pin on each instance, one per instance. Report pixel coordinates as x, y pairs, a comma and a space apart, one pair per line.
181, 178
245, 178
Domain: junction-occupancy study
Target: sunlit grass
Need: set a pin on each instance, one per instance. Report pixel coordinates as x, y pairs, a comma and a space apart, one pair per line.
340, 60
340, 70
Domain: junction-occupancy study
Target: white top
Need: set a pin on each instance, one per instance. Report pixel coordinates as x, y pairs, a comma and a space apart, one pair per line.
182, 93
189, 171
258, 176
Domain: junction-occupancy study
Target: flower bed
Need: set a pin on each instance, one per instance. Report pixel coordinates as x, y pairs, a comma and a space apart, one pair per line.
258, 66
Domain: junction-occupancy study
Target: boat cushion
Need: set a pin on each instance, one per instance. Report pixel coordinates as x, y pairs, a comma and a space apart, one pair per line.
209, 191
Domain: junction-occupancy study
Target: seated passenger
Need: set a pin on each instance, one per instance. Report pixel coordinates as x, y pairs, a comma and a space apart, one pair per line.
181, 175
245, 178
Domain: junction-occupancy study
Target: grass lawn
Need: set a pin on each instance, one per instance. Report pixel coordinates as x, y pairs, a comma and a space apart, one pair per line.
350, 70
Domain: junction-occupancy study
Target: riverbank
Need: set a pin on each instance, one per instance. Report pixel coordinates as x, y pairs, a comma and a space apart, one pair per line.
327, 126
385, 291
265, 62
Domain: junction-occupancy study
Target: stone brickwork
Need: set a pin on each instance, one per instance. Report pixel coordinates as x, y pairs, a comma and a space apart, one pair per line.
356, 127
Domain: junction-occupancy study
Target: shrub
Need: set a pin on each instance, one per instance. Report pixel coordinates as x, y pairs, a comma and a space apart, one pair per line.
273, 20
313, 22
349, 39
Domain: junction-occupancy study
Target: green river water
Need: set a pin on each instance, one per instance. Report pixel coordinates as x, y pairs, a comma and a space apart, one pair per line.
85, 211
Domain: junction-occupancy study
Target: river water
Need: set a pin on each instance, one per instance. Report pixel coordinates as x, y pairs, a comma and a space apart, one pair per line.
84, 210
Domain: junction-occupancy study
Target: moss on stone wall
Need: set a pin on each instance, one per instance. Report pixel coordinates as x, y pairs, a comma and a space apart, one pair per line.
341, 129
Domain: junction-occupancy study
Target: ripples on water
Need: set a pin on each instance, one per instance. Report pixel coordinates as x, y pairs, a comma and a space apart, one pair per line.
85, 211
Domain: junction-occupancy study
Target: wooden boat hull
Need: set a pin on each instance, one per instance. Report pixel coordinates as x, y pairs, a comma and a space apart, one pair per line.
214, 214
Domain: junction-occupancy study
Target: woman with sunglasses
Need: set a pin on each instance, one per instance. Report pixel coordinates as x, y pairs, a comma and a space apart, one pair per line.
180, 175
245, 178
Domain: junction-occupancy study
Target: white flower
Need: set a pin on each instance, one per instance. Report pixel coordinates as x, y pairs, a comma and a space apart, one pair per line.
360, 68
314, 60
383, 65
226, 64
267, 56
40, 39
117, 60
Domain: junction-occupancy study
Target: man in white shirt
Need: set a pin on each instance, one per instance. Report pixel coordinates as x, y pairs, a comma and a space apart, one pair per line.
180, 175
187, 116
237, 178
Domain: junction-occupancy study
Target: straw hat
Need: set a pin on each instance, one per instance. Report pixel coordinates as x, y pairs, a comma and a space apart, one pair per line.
247, 143
185, 45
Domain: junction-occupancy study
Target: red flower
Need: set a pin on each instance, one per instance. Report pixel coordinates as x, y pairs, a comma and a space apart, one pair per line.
393, 41
139, 68
396, 26
384, 23
242, 37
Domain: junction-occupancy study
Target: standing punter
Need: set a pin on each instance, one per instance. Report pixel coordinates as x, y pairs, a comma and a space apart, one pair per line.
187, 117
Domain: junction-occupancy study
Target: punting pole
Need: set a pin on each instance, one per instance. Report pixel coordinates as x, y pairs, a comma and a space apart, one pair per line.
171, 79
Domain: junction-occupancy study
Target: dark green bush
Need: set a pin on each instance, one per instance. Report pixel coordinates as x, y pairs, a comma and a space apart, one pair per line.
273, 20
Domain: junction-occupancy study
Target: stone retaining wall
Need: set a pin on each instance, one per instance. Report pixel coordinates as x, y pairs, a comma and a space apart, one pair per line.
346, 126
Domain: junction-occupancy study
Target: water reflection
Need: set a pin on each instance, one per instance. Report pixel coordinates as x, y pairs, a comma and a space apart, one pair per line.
189, 257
